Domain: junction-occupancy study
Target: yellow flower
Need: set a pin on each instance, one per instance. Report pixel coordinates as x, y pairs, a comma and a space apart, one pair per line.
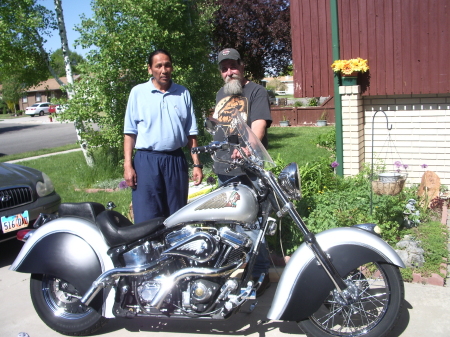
349, 66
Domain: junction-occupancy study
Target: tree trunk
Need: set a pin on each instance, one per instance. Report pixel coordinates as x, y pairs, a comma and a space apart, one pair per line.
79, 126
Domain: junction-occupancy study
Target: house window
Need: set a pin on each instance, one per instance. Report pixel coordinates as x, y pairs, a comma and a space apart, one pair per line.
24, 99
38, 97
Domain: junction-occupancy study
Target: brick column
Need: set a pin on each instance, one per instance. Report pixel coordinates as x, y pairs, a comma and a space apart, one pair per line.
352, 129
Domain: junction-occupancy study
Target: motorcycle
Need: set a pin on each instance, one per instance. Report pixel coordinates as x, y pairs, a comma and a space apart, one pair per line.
89, 264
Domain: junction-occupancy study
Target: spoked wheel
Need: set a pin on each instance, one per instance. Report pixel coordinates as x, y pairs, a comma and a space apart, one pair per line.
377, 294
57, 303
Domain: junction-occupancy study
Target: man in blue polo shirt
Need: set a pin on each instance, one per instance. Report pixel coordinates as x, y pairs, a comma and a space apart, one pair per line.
159, 121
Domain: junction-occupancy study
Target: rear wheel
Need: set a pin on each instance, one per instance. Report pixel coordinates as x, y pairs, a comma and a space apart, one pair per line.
377, 293
57, 303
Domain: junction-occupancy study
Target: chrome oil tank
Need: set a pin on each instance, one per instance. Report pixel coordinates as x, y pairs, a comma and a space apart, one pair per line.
228, 204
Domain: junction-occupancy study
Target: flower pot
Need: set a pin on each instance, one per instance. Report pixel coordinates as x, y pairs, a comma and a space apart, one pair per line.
388, 188
389, 177
321, 122
349, 79
284, 123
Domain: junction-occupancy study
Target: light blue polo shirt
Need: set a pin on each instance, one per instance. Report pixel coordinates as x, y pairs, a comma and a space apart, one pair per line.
161, 121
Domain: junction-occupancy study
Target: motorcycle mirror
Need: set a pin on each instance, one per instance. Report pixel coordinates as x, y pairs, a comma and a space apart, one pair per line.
211, 125
110, 205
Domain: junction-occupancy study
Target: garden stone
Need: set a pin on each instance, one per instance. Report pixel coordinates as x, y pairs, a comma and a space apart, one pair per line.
430, 185
403, 254
410, 252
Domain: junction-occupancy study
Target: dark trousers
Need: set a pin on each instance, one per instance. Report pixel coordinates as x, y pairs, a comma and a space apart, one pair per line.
162, 184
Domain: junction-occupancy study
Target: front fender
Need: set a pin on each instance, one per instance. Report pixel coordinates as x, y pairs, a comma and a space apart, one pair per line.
70, 248
304, 284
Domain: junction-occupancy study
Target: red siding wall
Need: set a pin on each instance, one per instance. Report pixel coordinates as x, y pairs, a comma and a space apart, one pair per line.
406, 44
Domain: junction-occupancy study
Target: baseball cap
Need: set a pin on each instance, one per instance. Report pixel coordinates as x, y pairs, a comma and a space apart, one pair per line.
228, 54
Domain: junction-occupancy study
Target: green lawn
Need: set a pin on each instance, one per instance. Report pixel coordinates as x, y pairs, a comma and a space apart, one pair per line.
72, 177
296, 144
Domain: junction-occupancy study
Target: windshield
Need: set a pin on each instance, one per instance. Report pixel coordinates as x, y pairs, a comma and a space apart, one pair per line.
250, 143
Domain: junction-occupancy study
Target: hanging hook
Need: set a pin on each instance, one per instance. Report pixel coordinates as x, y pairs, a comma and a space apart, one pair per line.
371, 172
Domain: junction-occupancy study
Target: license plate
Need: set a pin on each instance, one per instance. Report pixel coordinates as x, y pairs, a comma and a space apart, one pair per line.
15, 222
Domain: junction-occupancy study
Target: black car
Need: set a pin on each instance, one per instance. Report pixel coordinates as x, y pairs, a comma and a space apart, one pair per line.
24, 193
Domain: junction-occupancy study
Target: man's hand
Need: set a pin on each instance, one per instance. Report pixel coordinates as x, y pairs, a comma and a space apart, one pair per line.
237, 155
197, 175
129, 174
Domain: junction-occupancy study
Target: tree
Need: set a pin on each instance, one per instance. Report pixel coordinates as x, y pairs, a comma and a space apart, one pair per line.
24, 26
57, 61
12, 91
124, 33
259, 30
276, 85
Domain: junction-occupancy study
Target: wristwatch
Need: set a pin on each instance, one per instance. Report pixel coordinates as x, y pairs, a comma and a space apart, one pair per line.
198, 165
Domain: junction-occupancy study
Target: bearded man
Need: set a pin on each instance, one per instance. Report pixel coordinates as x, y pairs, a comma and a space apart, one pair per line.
252, 100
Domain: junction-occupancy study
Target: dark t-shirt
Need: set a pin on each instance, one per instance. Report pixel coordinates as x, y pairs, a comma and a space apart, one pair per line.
253, 105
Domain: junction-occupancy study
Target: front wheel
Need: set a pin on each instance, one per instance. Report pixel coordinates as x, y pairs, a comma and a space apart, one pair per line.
377, 293
57, 303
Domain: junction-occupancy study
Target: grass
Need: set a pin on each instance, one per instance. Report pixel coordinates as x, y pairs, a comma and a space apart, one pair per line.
433, 236
72, 177
38, 153
296, 144
8, 116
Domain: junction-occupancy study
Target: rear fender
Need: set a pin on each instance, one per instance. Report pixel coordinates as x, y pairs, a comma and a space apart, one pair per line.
69, 248
304, 284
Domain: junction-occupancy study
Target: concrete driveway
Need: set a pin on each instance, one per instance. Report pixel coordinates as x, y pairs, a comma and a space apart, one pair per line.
426, 312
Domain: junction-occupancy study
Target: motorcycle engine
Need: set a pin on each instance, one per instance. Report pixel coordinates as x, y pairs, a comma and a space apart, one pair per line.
216, 247
204, 247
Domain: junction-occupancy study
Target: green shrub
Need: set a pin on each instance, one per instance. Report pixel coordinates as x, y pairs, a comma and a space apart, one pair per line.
327, 140
313, 102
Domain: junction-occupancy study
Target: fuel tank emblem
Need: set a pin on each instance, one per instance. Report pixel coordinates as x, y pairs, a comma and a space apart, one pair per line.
221, 201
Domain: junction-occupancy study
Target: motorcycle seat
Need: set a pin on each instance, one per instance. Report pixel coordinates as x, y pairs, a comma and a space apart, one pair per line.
85, 210
118, 230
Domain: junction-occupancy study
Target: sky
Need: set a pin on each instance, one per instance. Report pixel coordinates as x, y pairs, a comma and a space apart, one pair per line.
72, 9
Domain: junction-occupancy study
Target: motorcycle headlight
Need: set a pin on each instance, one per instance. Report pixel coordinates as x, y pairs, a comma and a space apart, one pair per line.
289, 180
46, 187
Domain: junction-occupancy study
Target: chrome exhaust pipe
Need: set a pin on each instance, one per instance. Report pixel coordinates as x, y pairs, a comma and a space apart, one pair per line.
168, 282
108, 276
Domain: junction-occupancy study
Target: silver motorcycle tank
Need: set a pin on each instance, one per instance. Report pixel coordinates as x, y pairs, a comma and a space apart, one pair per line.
228, 204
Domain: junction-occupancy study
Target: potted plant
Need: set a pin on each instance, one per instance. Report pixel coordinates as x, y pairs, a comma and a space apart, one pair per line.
284, 121
391, 183
349, 69
322, 121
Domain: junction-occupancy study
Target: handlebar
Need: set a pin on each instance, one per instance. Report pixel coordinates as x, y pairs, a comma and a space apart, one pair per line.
212, 147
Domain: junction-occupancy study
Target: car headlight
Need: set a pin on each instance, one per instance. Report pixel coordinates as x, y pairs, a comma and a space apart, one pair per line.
46, 187
289, 180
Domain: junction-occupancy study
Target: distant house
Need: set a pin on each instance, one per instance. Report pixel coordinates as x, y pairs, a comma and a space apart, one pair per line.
288, 80
43, 92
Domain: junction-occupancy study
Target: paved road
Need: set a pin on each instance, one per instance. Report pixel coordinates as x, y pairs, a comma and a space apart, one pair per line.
426, 312
34, 133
